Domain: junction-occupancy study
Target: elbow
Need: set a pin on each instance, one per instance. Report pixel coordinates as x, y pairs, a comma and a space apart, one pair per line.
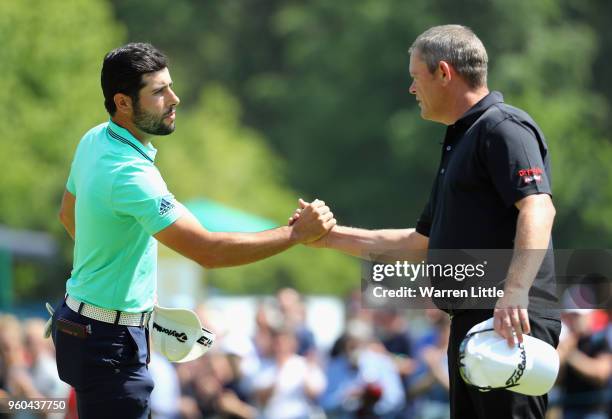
208, 262
205, 263
552, 211
543, 206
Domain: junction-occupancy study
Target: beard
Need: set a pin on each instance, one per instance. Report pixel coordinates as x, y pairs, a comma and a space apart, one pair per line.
150, 123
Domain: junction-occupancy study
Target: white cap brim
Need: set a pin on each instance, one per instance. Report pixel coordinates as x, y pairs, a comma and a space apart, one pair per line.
177, 334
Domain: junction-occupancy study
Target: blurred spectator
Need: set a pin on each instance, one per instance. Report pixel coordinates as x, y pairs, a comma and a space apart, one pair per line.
429, 385
17, 380
586, 367
362, 382
263, 377
392, 329
234, 401
166, 394
287, 386
292, 308
186, 374
210, 388
242, 355
41, 354
267, 318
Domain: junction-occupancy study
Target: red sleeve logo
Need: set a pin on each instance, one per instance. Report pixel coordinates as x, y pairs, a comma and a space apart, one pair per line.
533, 174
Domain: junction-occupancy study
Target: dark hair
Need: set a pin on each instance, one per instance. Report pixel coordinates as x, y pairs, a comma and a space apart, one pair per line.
123, 68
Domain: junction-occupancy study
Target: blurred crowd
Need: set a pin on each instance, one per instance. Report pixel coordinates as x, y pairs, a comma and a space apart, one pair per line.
386, 364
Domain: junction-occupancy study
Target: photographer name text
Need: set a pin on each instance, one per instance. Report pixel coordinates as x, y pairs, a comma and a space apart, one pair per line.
431, 292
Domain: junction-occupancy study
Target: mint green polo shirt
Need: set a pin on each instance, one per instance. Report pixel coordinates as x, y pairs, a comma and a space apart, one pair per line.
121, 201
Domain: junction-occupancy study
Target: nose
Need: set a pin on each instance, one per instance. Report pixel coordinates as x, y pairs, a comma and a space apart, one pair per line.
174, 99
412, 88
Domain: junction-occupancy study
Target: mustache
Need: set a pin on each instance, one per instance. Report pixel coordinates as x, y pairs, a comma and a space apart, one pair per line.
173, 109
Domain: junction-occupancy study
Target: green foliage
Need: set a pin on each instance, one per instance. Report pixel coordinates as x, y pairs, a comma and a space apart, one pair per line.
550, 78
327, 84
284, 95
50, 63
211, 154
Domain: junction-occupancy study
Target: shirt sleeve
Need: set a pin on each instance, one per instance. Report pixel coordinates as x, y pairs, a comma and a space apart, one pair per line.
70, 183
423, 225
514, 158
140, 192
70, 186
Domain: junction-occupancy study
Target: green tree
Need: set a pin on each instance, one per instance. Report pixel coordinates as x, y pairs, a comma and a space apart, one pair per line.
50, 63
211, 154
50, 66
327, 84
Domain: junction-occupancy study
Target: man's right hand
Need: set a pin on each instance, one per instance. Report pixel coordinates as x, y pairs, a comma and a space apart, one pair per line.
314, 221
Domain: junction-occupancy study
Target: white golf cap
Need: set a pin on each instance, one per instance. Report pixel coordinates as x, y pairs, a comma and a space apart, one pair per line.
177, 334
487, 362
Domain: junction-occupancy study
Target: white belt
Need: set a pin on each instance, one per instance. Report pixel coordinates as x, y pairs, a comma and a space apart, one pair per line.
108, 316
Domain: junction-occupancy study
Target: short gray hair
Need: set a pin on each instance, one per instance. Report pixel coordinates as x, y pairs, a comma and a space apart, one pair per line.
458, 46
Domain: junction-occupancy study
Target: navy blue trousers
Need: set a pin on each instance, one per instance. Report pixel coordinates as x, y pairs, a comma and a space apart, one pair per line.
105, 363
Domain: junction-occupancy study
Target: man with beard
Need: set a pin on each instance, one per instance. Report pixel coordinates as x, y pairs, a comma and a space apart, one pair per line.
116, 207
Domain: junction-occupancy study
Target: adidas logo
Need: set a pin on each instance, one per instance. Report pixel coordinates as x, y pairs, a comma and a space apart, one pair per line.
165, 206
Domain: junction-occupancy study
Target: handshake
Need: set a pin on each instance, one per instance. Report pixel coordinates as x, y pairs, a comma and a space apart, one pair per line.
311, 222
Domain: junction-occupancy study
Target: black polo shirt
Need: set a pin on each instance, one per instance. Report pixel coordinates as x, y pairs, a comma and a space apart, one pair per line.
492, 157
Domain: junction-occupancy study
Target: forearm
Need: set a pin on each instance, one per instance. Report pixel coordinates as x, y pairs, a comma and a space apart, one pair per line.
232, 249
441, 376
533, 230
595, 369
366, 244
217, 250
230, 405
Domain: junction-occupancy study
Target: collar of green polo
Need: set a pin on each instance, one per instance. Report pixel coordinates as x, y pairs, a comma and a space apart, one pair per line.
122, 135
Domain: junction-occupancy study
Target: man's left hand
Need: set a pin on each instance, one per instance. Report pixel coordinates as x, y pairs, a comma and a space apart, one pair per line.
511, 315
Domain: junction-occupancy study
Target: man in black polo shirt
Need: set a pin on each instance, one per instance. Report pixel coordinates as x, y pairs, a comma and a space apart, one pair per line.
492, 191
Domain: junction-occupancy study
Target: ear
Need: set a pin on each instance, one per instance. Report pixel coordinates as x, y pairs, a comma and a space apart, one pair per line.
123, 103
445, 72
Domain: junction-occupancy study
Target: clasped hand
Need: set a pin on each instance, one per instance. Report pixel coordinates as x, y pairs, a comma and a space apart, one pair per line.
311, 221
